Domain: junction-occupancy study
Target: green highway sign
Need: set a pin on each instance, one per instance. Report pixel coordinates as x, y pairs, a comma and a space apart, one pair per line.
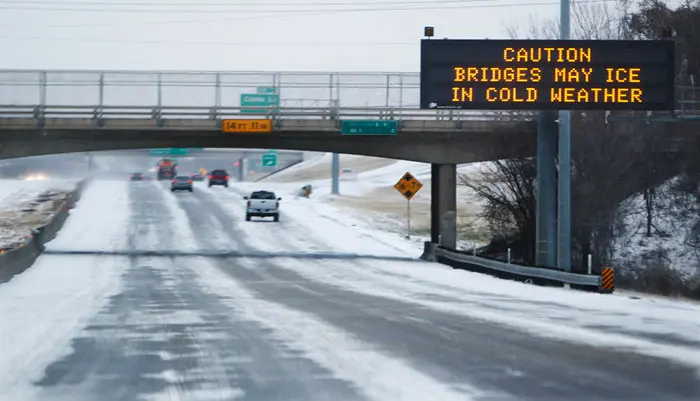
369, 127
269, 160
260, 100
170, 152
266, 89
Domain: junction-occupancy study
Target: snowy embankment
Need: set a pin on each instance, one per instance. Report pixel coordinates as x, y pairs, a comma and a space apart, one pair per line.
373, 203
372, 200
671, 242
26, 205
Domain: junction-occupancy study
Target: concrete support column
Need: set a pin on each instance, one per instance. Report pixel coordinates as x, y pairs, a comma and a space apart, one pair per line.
434, 202
447, 204
546, 222
241, 170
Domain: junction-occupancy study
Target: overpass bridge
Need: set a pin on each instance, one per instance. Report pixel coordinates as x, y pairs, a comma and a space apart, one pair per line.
423, 138
49, 112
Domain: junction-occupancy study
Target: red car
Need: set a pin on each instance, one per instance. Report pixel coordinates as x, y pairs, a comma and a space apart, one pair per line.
218, 177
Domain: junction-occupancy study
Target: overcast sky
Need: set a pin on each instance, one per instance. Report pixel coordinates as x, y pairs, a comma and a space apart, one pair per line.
269, 35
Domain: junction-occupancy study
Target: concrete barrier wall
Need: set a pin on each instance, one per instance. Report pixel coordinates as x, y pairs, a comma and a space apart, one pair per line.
17, 260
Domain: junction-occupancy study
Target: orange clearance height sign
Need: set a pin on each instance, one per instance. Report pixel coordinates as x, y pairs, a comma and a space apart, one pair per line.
246, 126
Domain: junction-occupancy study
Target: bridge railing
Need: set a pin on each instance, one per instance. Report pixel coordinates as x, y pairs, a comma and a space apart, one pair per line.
688, 98
220, 113
167, 91
207, 89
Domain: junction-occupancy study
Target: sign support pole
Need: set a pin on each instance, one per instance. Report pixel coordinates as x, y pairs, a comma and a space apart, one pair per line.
546, 216
564, 178
335, 173
408, 215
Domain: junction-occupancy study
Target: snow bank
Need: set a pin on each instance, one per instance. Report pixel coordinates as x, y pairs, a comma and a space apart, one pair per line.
104, 204
20, 214
17, 192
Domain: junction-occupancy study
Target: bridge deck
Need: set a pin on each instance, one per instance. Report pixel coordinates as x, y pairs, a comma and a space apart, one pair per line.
288, 125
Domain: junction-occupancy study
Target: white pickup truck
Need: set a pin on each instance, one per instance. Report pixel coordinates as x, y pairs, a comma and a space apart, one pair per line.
262, 204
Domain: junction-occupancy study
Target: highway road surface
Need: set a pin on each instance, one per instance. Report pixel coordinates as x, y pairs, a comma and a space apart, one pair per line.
149, 295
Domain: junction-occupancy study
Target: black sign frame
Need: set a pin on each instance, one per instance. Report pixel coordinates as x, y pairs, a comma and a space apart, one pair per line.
650, 64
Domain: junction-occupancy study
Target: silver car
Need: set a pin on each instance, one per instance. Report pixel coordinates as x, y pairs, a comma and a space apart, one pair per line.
181, 183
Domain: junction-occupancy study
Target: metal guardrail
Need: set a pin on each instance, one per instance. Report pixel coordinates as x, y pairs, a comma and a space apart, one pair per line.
275, 113
523, 273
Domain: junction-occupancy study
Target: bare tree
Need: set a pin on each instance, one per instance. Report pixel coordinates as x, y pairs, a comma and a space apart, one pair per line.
588, 21
508, 189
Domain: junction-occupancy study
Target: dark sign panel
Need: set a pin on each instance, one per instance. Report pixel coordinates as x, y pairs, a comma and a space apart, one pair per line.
547, 74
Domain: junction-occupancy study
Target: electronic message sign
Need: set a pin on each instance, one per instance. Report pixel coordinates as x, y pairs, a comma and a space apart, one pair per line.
547, 74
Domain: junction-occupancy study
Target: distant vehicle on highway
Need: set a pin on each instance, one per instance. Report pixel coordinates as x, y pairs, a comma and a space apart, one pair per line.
218, 177
197, 177
167, 168
37, 176
348, 174
181, 183
262, 204
137, 177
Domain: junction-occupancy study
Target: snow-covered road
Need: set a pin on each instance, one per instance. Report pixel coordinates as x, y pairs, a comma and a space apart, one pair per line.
311, 308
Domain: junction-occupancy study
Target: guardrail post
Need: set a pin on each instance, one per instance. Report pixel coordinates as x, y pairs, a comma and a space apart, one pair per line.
590, 264
337, 89
386, 95
276, 111
157, 112
217, 97
101, 100
42, 88
159, 95
330, 90
508, 255
40, 113
400, 95
474, 249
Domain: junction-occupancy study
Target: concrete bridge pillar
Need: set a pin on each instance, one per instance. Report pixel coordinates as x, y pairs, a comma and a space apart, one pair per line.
443, 208
434, 209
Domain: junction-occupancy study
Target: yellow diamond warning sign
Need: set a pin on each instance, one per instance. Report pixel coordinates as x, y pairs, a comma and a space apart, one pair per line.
408, 186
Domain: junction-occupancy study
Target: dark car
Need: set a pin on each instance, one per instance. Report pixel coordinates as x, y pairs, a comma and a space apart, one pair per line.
218, 177
137, 177
197, 177
181, 183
